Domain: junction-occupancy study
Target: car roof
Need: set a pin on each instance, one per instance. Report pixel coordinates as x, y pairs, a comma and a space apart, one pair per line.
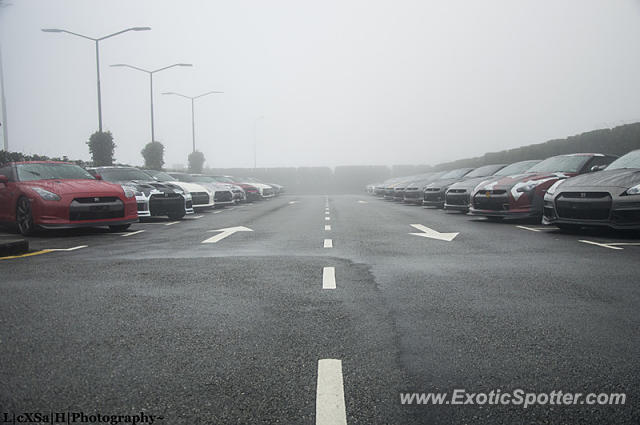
39, 162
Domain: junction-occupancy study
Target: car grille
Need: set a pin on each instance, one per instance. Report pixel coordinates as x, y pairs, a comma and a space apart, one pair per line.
457, 190
496, 201
584, 205
223, 196
412, 195
200, 198
433, 195
96, 208
457, 198
166, 203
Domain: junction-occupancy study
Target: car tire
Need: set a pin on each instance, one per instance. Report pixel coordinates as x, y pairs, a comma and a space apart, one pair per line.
176, 216
24, 217
119, 227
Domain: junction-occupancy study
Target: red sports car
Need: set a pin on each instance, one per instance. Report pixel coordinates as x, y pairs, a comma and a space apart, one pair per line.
521, 196
48, 194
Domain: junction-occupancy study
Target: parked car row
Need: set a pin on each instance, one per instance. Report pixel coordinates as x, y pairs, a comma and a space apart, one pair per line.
50, 194
569, 191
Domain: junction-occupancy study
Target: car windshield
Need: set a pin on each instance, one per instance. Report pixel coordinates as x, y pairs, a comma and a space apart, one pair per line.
220, 179
161, 176
562, 163
183, 177
517, 168
123, 174
630, 160
454, 174
486, 170
50, 171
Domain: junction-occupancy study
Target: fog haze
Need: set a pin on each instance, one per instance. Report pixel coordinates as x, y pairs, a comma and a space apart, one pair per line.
357, 82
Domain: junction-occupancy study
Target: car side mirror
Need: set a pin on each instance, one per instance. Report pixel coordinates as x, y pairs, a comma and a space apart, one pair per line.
598, 168
4, 179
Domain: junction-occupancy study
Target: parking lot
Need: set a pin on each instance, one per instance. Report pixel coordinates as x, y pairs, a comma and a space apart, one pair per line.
268, 313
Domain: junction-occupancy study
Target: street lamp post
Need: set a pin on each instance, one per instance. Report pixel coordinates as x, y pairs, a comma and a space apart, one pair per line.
97, 43
193, 120
255, 141
153, 135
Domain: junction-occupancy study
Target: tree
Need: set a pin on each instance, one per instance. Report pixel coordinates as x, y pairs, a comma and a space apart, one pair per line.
196, 162
101, 147
153, 154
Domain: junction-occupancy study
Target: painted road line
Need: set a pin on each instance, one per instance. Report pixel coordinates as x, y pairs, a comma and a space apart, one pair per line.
30, 254
327, 213
362, 202
67, 249
197, 216
293, 202
218, 212
131, 233
624, 244
172, 223
328, 243
536, 229
327, 218
327, 227
603, 245
329, 278
433, 234
330, 405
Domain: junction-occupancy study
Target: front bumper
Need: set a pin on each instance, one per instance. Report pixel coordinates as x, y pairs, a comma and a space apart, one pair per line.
201, 200
163, 204
598, 207
458, 201
433, 199
84, 212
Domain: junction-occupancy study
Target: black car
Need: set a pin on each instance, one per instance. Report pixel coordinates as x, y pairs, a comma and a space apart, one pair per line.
434, 192
458, 196
413, 193
154, 198
608, 198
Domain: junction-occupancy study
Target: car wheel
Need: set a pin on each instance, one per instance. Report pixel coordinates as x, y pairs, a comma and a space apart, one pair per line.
119, 227
176, 216
24, 217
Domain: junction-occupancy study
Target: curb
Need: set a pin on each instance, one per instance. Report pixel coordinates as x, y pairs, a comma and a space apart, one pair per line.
13, 247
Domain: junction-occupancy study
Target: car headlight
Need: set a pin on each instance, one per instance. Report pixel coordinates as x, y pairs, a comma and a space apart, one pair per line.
45, 194
129, 192
528, 187
553, 187
635, 190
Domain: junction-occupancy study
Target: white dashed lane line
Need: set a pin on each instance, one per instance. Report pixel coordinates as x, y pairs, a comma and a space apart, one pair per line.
327, 218
329, 278
327, 227
328, 243
330, 405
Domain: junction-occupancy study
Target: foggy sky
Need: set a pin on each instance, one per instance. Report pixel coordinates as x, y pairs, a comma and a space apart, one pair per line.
338, 82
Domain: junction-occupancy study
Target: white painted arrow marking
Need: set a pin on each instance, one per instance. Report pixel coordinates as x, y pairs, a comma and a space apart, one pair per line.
432, 234
226, 233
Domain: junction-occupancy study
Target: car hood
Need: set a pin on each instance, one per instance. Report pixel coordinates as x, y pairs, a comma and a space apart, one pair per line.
469, 184
190, 187
623, 178
443, 182
75, 187
519, 179
148, 187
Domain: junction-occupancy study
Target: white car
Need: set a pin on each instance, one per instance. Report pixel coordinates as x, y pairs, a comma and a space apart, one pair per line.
202, 197
222, 193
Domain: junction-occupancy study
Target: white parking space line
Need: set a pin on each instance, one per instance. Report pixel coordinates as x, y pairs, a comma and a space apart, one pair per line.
66, 249
603, 245
131, 233
327, 227
624, 243
329, 278
327, 218
197, 216
535, 229
171, 223
362, 202
328, 243
330, 405
293, 202
218, 212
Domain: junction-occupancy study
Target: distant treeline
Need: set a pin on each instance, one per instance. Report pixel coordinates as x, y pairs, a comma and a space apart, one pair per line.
613, 141
352, 179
